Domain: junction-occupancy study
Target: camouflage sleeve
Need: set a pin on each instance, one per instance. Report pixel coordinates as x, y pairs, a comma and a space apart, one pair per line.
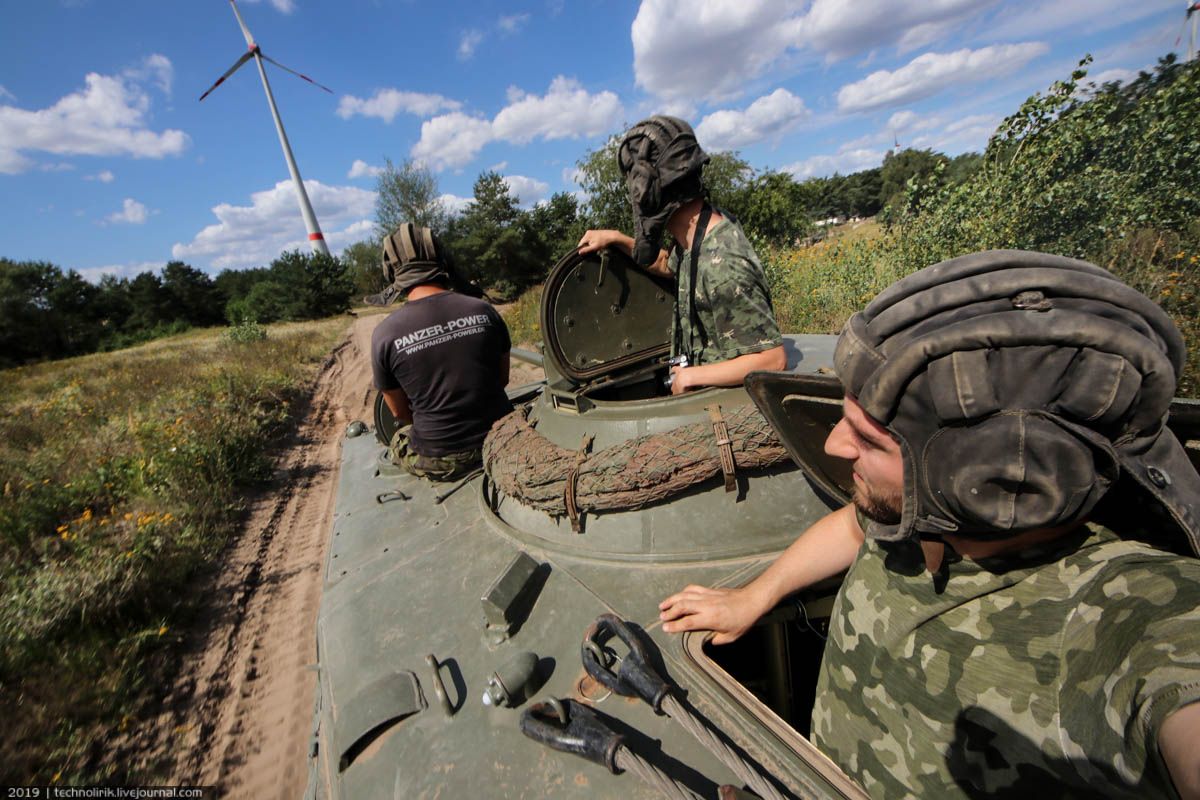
744, 320
1132, 649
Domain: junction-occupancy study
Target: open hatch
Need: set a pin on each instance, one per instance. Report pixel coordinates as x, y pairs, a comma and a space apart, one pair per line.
606, 324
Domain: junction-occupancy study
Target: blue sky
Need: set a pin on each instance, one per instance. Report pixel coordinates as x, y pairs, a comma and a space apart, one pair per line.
109, 164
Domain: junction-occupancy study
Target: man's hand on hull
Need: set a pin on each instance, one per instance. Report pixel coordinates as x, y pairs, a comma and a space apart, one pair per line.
727, 612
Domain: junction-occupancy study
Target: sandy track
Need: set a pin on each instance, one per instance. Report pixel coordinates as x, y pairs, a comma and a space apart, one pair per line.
238, 715
241, 706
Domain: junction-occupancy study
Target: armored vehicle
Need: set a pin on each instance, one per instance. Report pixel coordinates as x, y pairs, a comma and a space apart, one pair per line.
451, 612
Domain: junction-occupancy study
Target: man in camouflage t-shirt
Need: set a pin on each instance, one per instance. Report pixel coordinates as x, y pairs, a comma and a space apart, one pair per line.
1021, 614
724, 324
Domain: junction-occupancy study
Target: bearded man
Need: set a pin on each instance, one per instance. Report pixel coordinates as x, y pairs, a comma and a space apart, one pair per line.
1021, 611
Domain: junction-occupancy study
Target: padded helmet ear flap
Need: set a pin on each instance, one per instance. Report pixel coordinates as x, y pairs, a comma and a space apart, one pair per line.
1035, 471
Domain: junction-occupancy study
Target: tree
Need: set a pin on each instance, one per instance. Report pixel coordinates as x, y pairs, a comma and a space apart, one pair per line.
407, 193
899, 168
362, 259
25, 310
553, 230
491, 241
150, 303
265, 302
772, 206
193, 295
607, 206
313, 285
75, 323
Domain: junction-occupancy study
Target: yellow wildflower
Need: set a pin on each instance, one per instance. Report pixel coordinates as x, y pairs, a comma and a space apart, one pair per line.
162, 630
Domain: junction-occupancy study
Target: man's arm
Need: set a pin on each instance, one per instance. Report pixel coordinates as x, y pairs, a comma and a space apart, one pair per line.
397, 402
598, 239
1179, 743
727, 373
505, 367
824, 550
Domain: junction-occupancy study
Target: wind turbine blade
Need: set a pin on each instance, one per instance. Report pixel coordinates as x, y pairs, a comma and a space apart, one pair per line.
242, 23
245, 57
297, 74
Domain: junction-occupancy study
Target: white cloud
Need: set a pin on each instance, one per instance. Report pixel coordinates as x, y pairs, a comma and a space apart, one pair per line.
254, 235
930, 73
1018, 20
58, 166
768, 117
155, 68
5, 94
451, 140
902, 121
709, 48
838, 28
567, 110
572, 175
108, 117
512, 23
104, 176
454, 204
844, 162
132, 213
387, 103
713, 48
959, 134
499, 166
528, 191
1110, 75
467, 44
282, 6
361, 169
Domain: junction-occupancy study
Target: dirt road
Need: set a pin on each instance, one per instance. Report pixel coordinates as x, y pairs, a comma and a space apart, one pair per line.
240, 712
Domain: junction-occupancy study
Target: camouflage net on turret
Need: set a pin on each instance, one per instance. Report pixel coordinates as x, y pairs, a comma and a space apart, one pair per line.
527, 466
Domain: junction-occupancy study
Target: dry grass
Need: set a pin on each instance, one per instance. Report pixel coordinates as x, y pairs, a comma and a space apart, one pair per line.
123, 473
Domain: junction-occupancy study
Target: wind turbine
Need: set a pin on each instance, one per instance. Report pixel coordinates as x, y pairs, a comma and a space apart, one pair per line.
315, 238
1192, 15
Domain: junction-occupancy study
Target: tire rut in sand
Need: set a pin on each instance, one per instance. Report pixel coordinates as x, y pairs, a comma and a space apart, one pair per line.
241, 708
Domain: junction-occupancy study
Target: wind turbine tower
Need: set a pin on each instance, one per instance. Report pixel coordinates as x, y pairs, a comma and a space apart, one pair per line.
315, 238
1193, 14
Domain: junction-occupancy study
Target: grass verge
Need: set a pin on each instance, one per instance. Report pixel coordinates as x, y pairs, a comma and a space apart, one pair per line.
123, 474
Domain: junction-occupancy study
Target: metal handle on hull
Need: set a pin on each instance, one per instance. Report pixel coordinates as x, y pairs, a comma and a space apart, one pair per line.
439, 688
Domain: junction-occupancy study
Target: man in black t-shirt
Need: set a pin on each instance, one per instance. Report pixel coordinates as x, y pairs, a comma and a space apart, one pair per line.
440, 360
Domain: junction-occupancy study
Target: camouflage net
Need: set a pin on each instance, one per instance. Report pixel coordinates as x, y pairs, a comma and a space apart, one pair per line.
527, 466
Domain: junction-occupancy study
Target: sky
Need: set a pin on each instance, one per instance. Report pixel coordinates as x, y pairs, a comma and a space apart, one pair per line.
109, 164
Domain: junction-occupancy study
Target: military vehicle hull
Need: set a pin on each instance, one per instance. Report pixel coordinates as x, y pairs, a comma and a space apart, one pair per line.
404, 579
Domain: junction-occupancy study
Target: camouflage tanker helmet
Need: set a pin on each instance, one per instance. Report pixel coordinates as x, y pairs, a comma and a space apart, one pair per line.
661, 162
1020, 386
412, 255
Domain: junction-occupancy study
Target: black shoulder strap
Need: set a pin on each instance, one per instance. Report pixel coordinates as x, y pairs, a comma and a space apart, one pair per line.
685, 348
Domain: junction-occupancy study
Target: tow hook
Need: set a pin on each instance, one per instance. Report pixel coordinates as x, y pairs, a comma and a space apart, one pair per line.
572, 727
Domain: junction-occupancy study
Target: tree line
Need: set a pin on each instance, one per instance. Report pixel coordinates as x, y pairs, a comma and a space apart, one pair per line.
47, 312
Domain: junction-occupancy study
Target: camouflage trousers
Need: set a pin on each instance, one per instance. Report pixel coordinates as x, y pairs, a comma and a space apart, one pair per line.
436, 468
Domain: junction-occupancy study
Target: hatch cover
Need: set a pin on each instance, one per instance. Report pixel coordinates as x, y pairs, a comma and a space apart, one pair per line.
602, 314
